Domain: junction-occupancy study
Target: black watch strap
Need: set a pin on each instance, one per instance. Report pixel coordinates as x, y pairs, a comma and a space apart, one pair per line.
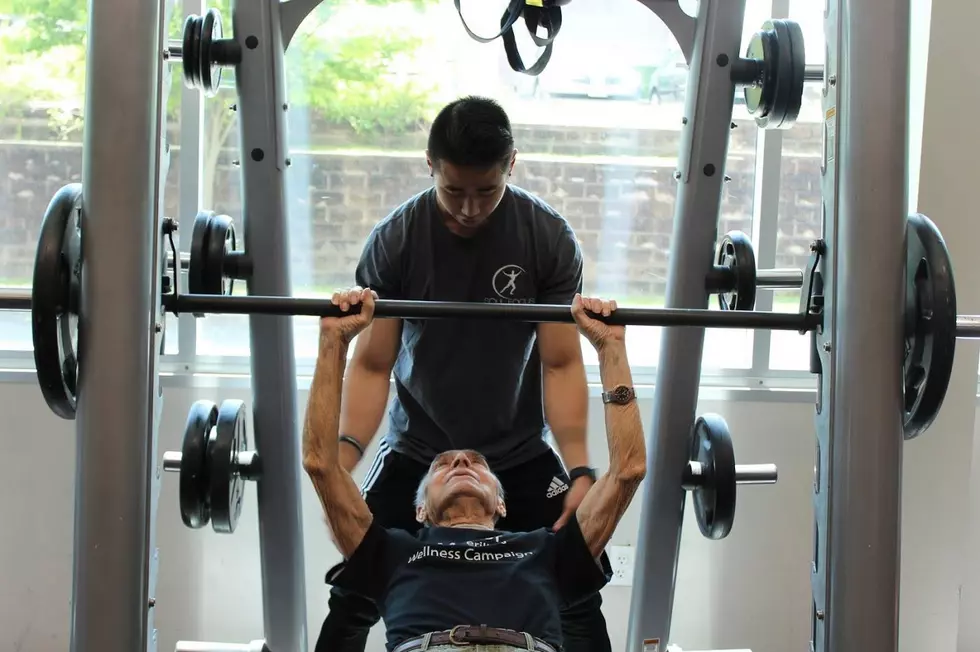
347, 439
580, 472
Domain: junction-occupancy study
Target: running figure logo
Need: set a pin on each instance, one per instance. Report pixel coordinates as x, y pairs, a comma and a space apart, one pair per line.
505, 280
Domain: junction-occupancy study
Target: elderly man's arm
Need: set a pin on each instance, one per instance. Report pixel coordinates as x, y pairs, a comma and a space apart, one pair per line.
346, 512
608, 498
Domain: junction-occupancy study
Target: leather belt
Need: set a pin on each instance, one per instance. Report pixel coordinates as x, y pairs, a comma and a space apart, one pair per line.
464, 635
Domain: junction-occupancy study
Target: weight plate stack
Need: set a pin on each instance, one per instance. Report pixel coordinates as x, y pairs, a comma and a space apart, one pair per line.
191, 51
209, 72
930, 324
735, 252
227, 484
714, 497
213, 239
55, 297
195, 503
775, 100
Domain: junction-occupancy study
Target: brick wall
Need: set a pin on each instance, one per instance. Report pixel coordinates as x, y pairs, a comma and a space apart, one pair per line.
620, 205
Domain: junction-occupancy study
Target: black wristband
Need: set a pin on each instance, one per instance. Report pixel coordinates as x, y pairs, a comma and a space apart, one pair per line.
582, 471
347, 439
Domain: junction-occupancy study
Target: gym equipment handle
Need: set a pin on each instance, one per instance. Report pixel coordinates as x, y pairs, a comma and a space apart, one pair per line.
744, 474
536, 313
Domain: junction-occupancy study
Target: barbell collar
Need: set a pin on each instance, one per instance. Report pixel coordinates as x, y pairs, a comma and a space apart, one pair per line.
744, 474
174, 52
533, 313
746, 72
247, 464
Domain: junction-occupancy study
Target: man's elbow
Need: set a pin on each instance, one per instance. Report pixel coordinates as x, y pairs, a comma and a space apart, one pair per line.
631, 472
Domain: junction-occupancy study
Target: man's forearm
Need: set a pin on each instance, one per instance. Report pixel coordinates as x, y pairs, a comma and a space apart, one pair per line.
345, 510
566, 401
322, 424
624, 429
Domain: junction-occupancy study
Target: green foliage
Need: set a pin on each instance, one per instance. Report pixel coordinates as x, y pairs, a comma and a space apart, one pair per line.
353, 82
346, 80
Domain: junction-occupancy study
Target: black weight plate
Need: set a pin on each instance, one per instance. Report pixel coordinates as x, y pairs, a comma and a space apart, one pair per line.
789, 84
195, 508
758, 96
55, 299
227, 484
209, 71
220, 242
714, 498
191, 51
775, 101
197, 268
930, 332
735, 251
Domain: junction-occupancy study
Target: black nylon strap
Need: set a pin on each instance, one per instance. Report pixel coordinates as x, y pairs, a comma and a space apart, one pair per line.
511, 16
550, 19
534, 17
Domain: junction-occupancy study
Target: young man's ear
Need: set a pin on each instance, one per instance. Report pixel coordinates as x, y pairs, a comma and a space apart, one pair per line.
513, 159
428, 161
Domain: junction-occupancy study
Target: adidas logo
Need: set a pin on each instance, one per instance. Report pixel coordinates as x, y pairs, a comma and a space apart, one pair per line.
556, 487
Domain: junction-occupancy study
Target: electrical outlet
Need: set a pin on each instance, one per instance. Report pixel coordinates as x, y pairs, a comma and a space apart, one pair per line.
622, 559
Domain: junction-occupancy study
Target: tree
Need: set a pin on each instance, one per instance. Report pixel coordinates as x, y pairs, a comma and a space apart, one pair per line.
343, 80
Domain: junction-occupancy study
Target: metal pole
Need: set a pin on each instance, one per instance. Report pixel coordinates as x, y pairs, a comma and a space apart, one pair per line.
772, 279
704, 149
968, 327
536, 313
261, 86
110, 587
862, 410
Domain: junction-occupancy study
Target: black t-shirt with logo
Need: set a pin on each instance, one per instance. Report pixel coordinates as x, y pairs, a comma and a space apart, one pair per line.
471, 383
444, 576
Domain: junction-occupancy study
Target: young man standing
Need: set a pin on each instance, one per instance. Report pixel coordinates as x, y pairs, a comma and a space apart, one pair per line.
493, 386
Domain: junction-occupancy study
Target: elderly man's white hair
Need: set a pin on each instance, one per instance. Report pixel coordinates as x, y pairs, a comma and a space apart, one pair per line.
424, 486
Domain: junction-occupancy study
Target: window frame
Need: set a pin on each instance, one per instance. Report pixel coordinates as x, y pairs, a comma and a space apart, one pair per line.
187, 361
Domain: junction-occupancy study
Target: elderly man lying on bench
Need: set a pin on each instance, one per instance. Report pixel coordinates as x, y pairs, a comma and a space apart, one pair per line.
460, 582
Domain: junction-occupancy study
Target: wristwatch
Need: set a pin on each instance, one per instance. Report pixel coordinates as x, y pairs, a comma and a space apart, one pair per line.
619, 395
582, 472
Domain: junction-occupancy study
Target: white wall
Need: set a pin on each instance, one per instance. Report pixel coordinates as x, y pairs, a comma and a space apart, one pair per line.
749, 591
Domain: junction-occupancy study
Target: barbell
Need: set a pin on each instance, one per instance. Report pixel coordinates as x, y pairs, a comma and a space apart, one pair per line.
215, 462
931, 323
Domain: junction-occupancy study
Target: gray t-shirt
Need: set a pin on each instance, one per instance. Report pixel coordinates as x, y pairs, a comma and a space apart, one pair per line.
468, 383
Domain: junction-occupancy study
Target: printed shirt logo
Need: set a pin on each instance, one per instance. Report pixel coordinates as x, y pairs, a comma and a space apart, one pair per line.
508, 283
557, 487
473, 551
505, 280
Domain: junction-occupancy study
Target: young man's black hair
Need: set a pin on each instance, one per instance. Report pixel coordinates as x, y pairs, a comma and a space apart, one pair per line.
471, 132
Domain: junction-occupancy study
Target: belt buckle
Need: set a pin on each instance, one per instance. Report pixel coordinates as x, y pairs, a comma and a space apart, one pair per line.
452, 636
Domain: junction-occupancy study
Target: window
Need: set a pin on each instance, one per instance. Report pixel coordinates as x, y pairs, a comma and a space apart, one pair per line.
597, 133
42, 80
799, 219
42, 83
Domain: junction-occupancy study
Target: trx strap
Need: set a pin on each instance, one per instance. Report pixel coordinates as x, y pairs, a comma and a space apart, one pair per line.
537, 13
